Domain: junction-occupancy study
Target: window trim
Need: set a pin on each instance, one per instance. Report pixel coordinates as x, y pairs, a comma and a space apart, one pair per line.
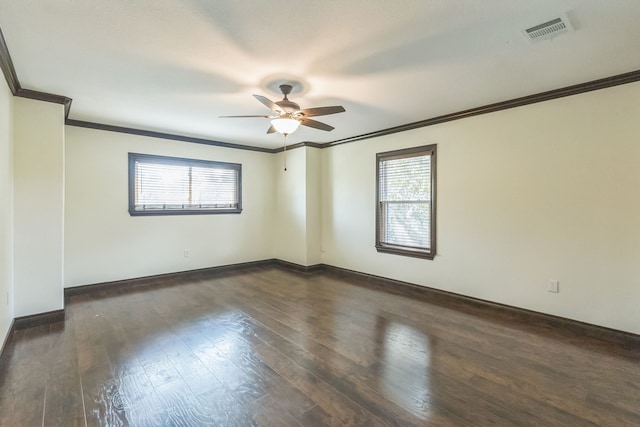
181, 161
405, 250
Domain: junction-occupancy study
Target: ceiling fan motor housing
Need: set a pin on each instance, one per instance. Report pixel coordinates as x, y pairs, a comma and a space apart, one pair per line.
285, 104
288, 106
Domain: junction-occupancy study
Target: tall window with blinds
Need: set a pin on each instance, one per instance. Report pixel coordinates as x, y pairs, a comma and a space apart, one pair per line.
160, 185
405, 199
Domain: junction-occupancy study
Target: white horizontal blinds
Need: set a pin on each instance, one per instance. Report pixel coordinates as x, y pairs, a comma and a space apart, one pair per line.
180, 186
405, 200
214, 188
161, 186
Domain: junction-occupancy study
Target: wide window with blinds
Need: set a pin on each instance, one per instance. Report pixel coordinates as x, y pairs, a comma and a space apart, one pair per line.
405, 202
160, 185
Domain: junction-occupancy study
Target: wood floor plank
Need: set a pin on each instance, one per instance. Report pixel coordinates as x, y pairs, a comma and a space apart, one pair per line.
63, 403
224, 409
140, 402
23, 396
243, 385
267, 412
182, 406
102, 400
24, 402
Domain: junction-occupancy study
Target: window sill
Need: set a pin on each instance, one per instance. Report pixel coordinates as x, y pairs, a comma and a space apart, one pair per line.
184, 212
415, 253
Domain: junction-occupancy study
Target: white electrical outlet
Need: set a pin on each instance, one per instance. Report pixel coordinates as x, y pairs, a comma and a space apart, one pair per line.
186, 253
553, 286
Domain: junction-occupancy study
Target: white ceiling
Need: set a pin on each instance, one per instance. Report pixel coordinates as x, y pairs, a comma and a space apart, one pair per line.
176, 65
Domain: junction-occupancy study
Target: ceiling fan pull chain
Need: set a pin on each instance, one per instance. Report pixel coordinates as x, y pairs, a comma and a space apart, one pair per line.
285, 151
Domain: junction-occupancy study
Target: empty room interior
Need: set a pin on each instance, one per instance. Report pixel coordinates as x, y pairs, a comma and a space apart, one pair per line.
295, 213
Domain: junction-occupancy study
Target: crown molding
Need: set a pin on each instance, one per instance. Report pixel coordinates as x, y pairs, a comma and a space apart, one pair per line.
9, 71
604, 83
6, 64
299, 145
46, 97
161, 135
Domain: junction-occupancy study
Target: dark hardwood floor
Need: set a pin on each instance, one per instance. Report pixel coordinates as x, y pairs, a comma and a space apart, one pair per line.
267, 346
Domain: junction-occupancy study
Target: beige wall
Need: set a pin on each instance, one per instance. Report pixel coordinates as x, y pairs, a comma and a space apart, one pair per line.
6, 210
545, 191
313, 205
104, 243
297, 210
290, 238
38, 174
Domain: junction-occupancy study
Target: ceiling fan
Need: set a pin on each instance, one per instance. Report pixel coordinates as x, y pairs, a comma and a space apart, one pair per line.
287, 115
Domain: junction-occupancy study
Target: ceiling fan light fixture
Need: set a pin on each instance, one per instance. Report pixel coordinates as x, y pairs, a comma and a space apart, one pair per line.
285, 126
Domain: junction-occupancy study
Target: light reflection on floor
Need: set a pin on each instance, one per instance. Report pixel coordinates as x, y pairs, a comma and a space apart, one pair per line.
199, 357
404, 365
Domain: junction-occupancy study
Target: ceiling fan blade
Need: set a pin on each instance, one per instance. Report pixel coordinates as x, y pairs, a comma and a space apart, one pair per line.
270, 104
271, 129
322, 111
315, 124
241, 117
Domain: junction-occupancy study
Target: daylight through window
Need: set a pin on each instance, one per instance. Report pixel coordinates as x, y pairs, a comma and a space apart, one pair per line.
160, 185
406, 202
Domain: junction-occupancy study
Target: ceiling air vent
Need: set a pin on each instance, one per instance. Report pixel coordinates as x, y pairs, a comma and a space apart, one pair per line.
548, 30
